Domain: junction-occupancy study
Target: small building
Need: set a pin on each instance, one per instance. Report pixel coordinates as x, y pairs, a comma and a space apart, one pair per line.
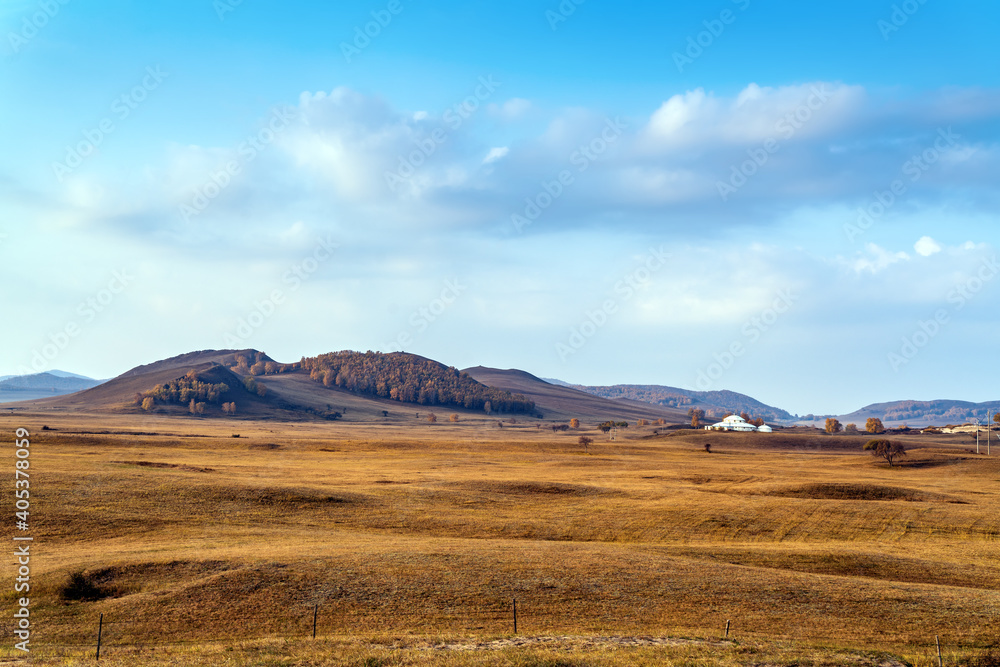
737, 423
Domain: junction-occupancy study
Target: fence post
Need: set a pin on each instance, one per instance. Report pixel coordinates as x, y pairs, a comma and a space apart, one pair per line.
727, 629
315, 613
100, 630
937, 640
515, 615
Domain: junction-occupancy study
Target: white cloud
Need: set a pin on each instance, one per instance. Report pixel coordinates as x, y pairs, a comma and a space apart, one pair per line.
756, 114
512, 109
876, 259
927, 246
496, 154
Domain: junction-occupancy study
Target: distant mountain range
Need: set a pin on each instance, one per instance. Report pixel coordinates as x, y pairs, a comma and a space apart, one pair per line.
712, 402
923, 413
38, 385
326, 388
355, 391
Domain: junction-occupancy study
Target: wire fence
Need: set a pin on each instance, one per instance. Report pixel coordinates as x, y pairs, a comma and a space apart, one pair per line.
107, 633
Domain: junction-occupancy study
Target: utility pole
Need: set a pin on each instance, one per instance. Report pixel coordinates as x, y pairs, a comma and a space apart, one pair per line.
977, 434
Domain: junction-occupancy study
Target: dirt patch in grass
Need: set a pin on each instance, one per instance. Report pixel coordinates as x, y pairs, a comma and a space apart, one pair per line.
278, 496
847, 491
157, 464
879, 566
539, 489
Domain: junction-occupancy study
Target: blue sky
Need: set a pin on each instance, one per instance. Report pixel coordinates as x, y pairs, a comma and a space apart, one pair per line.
791, 200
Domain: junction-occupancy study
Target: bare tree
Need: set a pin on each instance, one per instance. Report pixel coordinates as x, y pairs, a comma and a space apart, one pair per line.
885, 449
586, 442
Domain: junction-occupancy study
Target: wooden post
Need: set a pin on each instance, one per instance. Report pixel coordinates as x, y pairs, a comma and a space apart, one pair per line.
515, 616
727, 629
937, 640
100, 630
315, 614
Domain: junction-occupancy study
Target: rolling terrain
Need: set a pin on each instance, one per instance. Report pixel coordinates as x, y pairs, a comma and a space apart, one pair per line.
293, 395
712, 402
209, 541
563, 402
923, 413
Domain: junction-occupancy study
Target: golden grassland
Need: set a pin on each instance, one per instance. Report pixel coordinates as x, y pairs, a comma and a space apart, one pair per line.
413, 539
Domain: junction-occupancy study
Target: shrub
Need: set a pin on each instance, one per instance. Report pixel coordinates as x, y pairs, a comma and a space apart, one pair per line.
80, 587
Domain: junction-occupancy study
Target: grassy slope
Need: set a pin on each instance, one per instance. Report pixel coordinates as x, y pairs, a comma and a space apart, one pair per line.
416, 529
559, 402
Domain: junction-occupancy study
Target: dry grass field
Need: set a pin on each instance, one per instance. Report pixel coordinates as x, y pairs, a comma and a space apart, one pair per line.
414, 538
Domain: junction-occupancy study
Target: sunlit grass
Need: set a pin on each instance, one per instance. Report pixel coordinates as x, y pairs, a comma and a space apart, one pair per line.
432, 532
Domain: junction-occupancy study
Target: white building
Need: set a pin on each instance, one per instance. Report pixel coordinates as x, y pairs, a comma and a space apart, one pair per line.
737, 423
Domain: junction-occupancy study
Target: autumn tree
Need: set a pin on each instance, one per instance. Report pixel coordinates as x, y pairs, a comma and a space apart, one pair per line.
745, 416
661, 422
574, 423
851, 428
874, 425
885, 449
643, 422
833, 425
193, 407
453, 418
586, 442
696, 415
431, 417
148, 403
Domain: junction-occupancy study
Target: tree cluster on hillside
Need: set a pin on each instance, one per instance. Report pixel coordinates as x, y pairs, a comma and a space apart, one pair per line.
259, 364
410, 379
941, 410
183, 391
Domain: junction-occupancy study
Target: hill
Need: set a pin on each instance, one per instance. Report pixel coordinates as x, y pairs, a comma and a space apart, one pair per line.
38, 385
263, 388
409, 378
47, 382
564, 402
712, 402
923, 413
119, 393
